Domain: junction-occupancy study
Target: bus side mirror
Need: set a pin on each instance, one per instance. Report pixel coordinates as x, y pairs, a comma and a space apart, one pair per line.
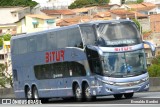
151, 45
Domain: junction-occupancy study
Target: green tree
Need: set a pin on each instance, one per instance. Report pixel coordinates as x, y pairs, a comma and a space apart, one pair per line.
18, 3
154, 69
82, 3
5, 37
3, 78
103, 1
156, 60
140, 1
137, 23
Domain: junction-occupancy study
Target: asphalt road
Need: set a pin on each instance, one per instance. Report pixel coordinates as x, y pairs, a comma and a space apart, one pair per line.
145, 99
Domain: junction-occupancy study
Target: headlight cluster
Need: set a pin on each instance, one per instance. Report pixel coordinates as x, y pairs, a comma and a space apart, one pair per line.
146, 78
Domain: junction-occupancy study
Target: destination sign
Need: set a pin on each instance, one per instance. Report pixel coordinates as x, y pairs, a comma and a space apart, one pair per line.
118, 42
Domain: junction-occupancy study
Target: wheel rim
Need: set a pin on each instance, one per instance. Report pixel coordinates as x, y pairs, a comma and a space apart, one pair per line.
29, 94
36, 94
88, 92
78, 92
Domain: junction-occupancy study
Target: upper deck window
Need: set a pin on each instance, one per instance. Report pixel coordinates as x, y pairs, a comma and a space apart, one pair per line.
121, 30
119, 33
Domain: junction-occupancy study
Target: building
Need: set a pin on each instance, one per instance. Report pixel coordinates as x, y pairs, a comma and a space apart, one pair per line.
59, 14
155, 23
144, 8
38, 22
124, 14
74, 20
12, 19
5, 53
8, 29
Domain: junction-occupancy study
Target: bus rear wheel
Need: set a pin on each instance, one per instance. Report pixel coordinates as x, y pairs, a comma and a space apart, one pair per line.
28, 93
35, 95
77, 93
128, 95
87, 93
118, 96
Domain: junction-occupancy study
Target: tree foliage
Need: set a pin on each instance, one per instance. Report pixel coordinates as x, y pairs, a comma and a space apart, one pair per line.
140, 1
18, 3
156, 60
154, 69
137, 23
3, 78
134, 2
5, 37
82, 3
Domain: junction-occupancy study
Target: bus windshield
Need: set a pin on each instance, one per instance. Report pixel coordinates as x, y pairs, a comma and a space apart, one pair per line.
124, 64
125, 33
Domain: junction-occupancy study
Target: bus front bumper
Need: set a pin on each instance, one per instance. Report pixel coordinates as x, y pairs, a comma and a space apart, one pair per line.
106, 89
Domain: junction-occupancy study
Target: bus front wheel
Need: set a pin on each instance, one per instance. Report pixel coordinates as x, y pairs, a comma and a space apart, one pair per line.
128, 95
118, 96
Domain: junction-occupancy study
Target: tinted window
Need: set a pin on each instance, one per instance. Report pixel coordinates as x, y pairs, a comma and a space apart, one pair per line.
52, 40
14, 47
74, 38
15, 76
41, 42
88, 35
59, 70
22, 45
32, 46
94, 61
123, 33
62, 38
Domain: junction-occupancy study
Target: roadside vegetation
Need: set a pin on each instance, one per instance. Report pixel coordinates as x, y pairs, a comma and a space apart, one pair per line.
154, 69
5, 37
3, 78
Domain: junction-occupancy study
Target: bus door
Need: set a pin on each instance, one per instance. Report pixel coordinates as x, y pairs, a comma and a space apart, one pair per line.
94, 61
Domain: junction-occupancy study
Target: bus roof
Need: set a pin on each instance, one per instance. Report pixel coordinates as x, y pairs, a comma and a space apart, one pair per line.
106, 21
71, 26
45, 31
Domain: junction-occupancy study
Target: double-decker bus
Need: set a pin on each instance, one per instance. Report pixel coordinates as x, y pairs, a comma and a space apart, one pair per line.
82, 61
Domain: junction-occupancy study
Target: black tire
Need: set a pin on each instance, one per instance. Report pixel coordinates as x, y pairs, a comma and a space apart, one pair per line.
77, 93
28, 93
35, 94
128, 95
87, 93
118, 96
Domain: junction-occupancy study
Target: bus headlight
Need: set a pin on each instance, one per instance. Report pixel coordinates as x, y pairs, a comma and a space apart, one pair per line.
93, 83
145, 79
108, 82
